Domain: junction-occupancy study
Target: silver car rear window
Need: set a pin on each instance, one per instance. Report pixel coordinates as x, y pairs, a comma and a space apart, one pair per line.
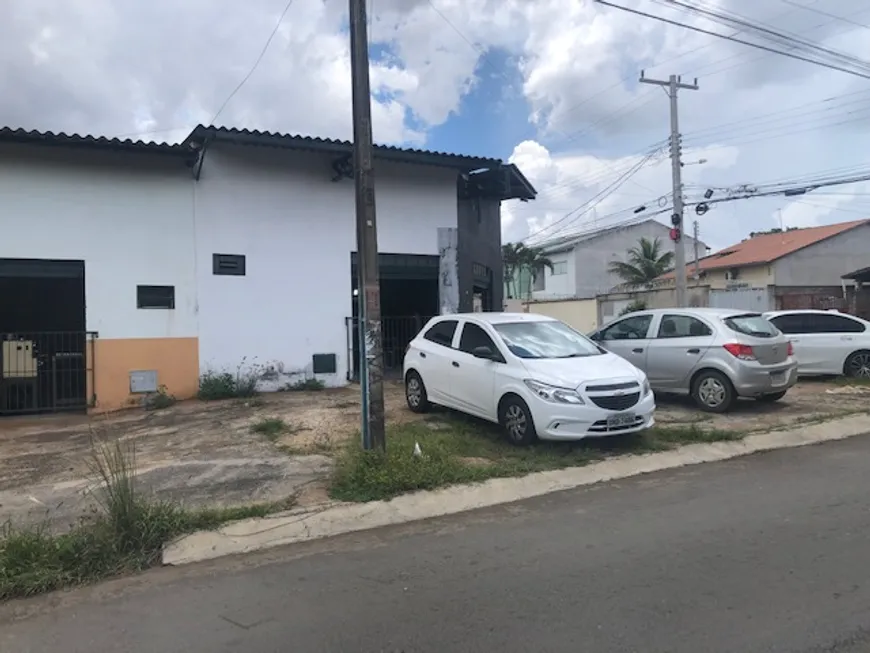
751, 324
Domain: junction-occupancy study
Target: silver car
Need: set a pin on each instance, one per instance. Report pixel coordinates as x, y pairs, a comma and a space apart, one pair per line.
713, 354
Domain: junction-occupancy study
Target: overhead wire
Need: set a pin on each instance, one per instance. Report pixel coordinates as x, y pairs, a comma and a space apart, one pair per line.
780, 37
736, 40
591, 203
824, 13
257, 61
236, 88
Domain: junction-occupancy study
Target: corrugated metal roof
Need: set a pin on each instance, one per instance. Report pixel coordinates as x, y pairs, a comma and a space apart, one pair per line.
335, 146
10, 135
766, 248
517, 185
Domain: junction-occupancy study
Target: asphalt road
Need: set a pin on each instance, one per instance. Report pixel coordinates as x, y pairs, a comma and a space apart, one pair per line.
766, 553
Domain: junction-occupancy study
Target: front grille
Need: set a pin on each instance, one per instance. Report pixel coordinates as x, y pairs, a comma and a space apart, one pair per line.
616, 402
631, 385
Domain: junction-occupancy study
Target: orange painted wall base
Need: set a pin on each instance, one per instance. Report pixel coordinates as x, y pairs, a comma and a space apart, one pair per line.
176, 361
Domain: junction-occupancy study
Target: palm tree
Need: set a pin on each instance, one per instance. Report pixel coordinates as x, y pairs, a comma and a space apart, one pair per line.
646, 262
535, 261
518, 258
511, 256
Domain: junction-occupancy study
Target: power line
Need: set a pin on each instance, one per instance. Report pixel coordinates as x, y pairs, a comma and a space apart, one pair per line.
735, 40
256, 62
644, 99
592, 202
235, 90
628, 78
731, 18
825, 13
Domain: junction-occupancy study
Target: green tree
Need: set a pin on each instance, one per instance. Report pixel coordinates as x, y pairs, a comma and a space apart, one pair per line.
511, 256
518, 258
645, 261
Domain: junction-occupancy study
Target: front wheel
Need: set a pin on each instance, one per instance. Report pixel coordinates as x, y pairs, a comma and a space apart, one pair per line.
773, 396
415, 393
713, 392
516, 420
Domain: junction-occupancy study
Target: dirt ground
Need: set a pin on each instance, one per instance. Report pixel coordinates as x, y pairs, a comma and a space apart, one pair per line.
206, 454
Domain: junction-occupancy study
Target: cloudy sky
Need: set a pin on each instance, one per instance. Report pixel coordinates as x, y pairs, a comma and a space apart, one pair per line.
549, 84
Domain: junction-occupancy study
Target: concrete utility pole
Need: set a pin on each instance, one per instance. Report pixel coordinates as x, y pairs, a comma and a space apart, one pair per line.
672, 85
696, 235
371, 351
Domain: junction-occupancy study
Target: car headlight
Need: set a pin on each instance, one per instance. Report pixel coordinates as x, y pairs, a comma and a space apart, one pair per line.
646, 387
554, 394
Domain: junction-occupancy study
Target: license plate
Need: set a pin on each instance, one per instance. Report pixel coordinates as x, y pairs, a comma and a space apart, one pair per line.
623, 419
777, 378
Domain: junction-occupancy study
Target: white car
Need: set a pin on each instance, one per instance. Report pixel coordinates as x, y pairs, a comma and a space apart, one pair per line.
534, 375
826, 342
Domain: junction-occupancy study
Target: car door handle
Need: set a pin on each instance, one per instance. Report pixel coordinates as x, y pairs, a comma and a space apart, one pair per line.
639, 350
693, 351
845, 337
455, 364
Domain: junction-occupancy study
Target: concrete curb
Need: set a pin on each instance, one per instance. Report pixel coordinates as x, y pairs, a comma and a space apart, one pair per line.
335, 519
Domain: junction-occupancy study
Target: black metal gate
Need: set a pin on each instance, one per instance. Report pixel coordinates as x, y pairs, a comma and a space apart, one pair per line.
46, 372
396, 333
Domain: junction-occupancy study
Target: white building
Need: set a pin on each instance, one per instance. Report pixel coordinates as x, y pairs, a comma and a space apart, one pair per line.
125, 265
581, 262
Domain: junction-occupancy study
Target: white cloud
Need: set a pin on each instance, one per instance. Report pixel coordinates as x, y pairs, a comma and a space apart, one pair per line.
126, 66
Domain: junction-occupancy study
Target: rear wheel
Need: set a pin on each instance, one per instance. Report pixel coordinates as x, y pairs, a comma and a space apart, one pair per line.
516, 420
415, 393
858, 365
774, 396
713, 392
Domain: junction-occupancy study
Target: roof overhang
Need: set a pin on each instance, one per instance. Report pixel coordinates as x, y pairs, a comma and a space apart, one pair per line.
480, 176
862, 275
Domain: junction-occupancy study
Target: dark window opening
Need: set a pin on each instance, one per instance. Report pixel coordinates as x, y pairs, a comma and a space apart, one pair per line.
682, 326
155, 297
472, 337
228, 264
442, 333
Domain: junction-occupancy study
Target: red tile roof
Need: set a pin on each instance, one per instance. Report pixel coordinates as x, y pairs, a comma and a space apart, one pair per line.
767, 248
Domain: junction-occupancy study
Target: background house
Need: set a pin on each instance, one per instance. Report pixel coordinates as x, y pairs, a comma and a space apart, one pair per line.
126, 266
796, 268
581, 262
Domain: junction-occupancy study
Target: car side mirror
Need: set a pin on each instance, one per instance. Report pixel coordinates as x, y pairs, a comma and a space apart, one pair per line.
483, 352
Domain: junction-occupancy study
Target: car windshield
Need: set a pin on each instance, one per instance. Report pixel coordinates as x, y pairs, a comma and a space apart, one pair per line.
751, 324
545, 339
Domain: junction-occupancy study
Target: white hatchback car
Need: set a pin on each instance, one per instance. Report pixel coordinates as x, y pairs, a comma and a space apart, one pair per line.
826, 342
534, 375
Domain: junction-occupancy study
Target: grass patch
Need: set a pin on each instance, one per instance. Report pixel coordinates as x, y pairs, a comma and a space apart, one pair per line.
227, 385
159, 400
125, 534
305, 385
271, 428
460, 450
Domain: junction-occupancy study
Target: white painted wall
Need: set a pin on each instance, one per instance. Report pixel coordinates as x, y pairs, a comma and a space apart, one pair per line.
296, 229
557, 286
129, 217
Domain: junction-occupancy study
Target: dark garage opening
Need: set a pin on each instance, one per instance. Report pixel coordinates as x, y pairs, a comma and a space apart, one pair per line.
43, 341
409, 298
